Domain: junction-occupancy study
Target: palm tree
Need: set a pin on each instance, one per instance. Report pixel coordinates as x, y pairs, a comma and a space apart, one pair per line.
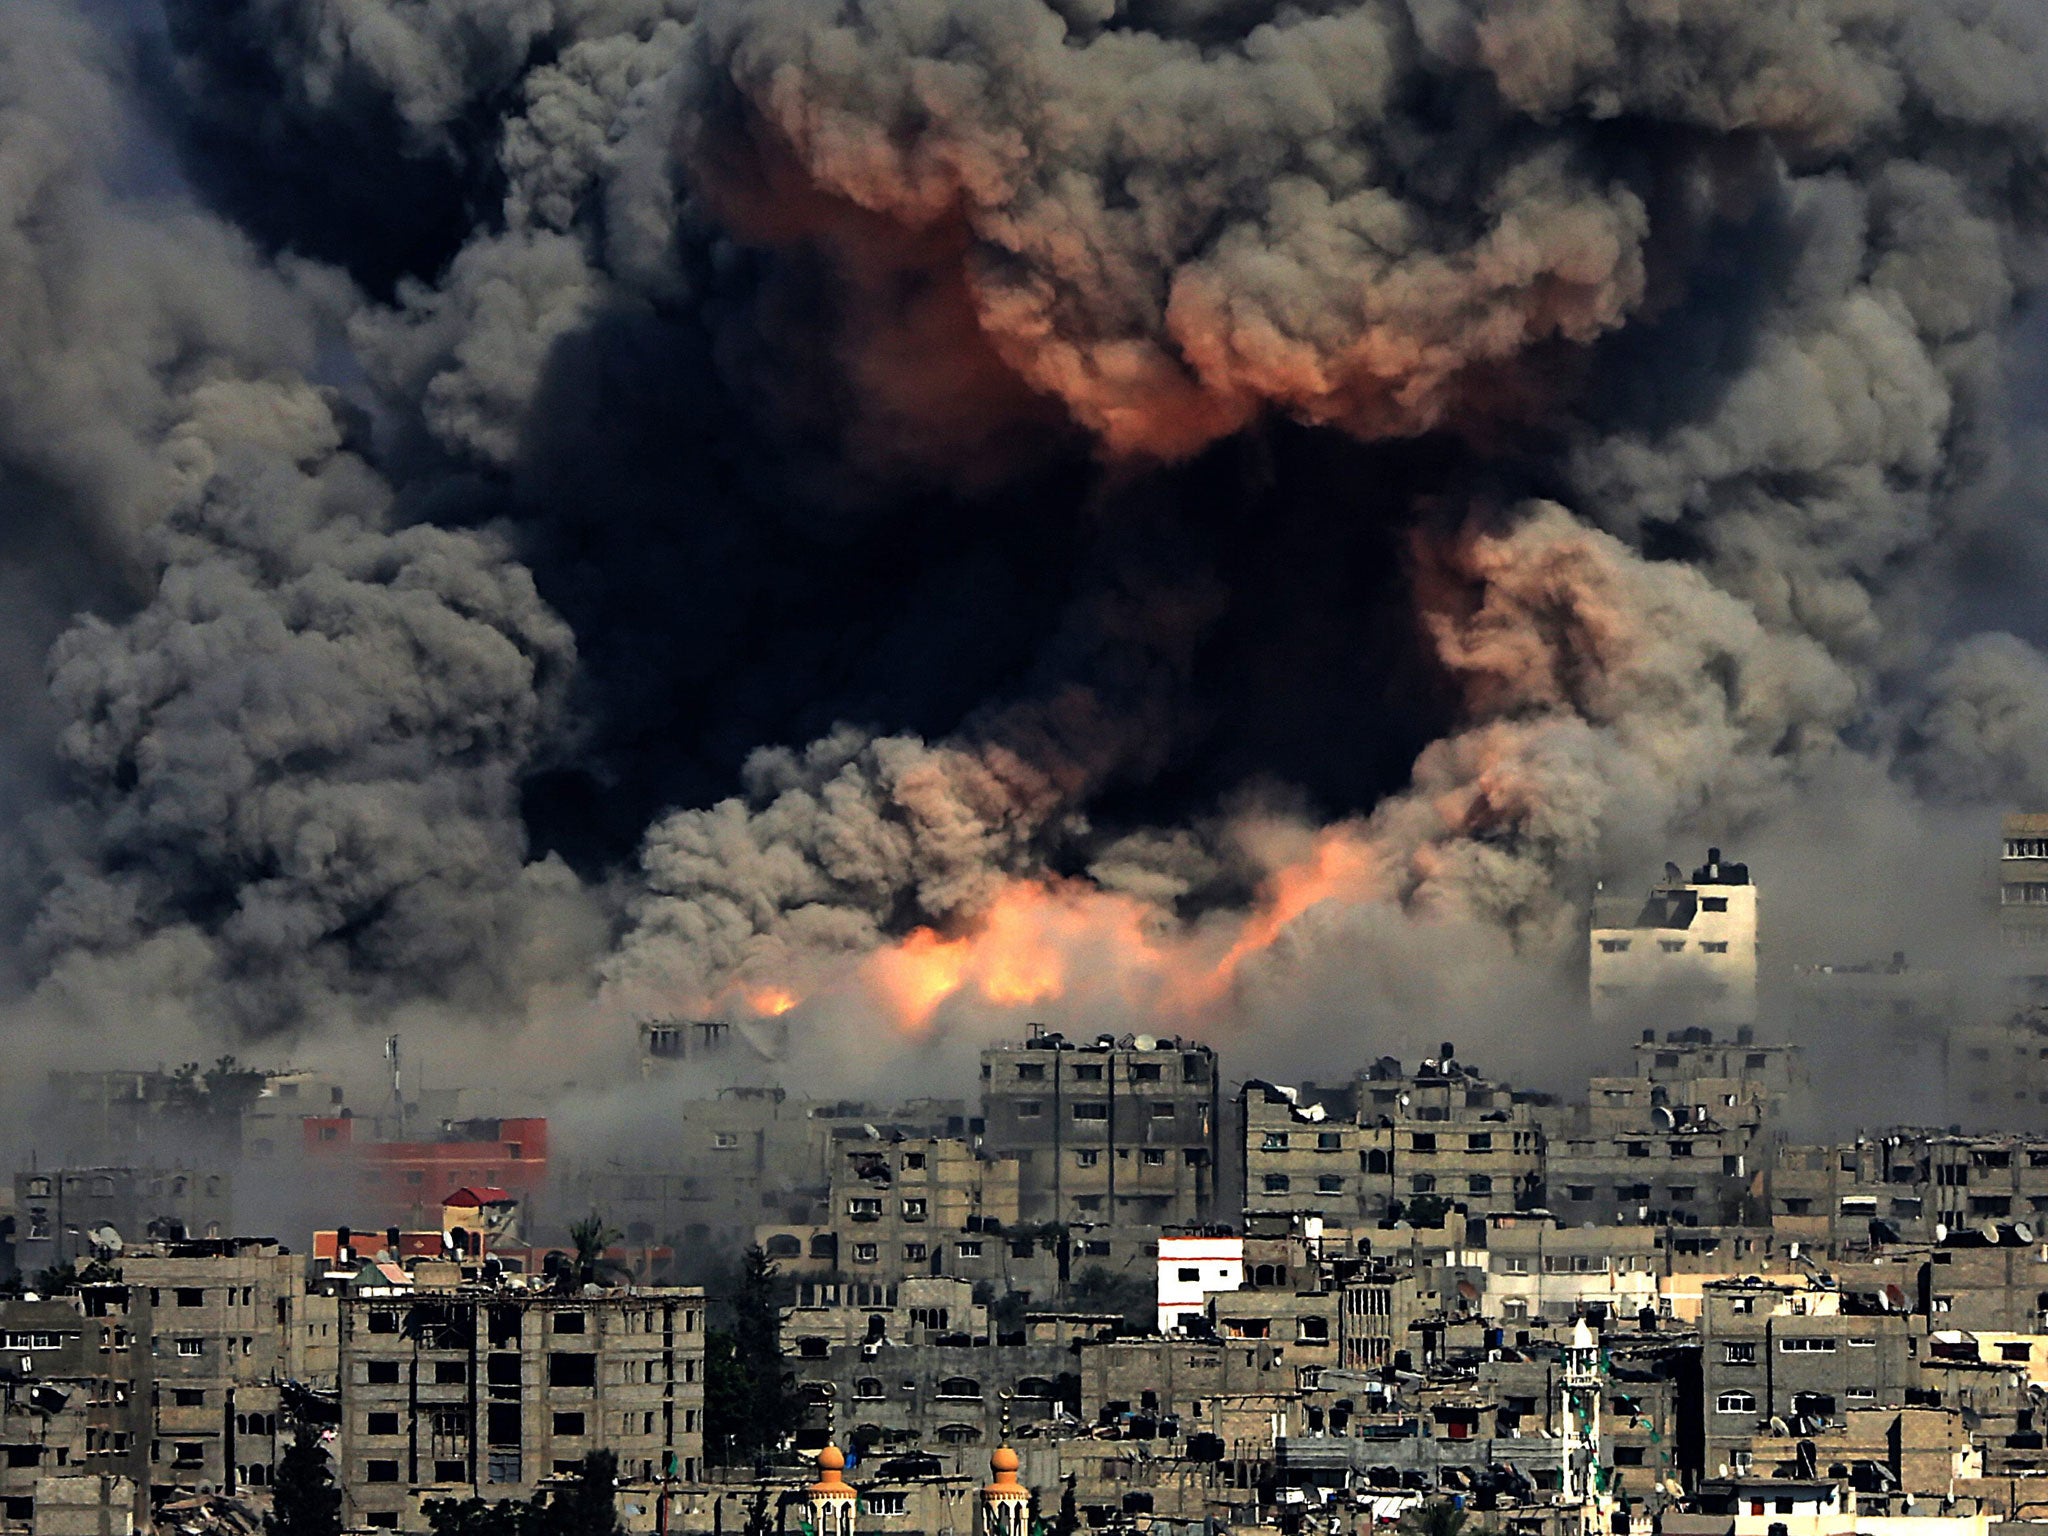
591, 1237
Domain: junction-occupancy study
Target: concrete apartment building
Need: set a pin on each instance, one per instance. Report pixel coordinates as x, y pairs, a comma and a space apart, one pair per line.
490, 1390
2023, 883
1689, 948
1364, 1155
752, 1158
1113, 1134
1792, 1352
74, 1414
903, 1208
223, 1319
58, 1211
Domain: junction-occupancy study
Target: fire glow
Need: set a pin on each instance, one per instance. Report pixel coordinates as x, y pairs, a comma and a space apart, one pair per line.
1047, 941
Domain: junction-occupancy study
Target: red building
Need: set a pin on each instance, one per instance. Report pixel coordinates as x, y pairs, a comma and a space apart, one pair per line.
401, 1183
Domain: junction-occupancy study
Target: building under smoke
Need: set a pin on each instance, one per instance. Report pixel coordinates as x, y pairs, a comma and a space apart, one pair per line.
1688, 953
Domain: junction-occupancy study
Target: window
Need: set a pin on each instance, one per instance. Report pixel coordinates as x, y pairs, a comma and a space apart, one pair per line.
568, 1322
1087, 1158
1031, 1072
1578, 1191
192, 1397
1312, 1330
1329, 1141
1091, 1111
968, 1250
865, 1253
381, 1471
1087, 1073
1162, 1109
1614, 946
191, 1349
1479, 1141
1806, 1346
1277, 1183
958, 1388
1422, 1183
572, 1370
450, 1373
1275, 1141
1713, 903
869, 1389
1735, 1402
916, 1253
1145, 1072
912, 1161
1029, 1109
381, 1373
1714, 946
1480, 1184
725, 1141
1153, 1157
1671, 946
568, 1423
1188, 1274
191, 1296
885, 1503
381, 1424
451, 1471
1514, 1264
1329, 1184
1425, 1141
1738, 1354
914, 1210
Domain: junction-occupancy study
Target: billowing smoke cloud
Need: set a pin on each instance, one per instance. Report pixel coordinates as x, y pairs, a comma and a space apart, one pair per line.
1008, 504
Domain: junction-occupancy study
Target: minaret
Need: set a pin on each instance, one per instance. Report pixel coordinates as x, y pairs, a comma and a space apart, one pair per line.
832, 1499
1005, 1503
1585, 1484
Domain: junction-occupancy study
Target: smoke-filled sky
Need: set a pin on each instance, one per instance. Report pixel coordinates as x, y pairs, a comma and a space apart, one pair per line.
895, 517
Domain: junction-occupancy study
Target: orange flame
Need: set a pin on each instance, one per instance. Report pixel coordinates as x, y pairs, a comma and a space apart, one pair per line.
1047, 941
771, 1002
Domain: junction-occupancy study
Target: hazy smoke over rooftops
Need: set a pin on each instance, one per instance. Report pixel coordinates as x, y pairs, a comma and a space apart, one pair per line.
1177, 514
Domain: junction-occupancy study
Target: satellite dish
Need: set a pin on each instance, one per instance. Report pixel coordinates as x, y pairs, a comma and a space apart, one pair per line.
1941, 1232
2023, 1232
106, 1238
1989, 1232
1145, 1042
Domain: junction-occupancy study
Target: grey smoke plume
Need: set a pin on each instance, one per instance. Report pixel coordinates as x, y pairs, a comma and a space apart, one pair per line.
1675, 332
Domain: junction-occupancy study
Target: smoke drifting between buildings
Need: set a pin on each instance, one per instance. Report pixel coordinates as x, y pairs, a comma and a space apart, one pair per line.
1190, 514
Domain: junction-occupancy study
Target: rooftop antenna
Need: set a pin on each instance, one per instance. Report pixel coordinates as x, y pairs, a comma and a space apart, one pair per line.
397, 1091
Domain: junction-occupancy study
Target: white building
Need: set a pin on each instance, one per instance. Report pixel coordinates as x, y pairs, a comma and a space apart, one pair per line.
1689, 949
1191, 1269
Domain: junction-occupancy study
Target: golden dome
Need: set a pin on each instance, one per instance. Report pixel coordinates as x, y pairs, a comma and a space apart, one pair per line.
831, 1459
1005, 1460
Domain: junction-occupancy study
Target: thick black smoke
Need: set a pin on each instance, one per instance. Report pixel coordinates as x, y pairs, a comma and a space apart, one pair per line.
660, 495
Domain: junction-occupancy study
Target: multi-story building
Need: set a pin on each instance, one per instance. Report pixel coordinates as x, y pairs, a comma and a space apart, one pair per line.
1689, 948
1786, 1351
64, 1214
74, 1405
223, 1320
488, 1390
1117, 1134
2023, 883
902, 1208
401, 1182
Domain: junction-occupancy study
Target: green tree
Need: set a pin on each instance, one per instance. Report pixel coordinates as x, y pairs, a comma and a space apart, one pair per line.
1068, 1520
305, 1500
585, 1505
750, 1401
590, 1237
1097, 1289
588, 1504
1435, 1517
